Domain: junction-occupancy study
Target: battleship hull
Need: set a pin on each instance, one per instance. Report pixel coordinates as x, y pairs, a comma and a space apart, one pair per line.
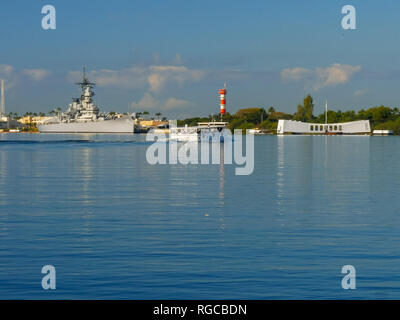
105, 126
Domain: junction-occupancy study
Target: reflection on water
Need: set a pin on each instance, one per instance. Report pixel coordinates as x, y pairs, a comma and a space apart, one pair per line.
85, 164
280, 181
116, 227
221, 193
3, 180
222, 174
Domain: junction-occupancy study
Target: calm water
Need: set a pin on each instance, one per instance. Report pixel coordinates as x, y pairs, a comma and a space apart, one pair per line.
116, 227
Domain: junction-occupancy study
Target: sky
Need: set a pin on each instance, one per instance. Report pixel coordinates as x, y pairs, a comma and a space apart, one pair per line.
172, 56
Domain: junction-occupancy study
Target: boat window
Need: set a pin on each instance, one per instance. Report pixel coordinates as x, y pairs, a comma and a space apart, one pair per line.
335, 128
311, 128
330, 128
321, 128
340, 128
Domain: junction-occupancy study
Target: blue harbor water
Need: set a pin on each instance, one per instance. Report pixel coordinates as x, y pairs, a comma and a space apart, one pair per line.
115, 227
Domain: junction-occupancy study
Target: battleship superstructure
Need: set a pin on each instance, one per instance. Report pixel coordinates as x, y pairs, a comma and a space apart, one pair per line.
83, 116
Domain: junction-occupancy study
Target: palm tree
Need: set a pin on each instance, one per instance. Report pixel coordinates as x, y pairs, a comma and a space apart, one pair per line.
145, 113
158, 114
271, 110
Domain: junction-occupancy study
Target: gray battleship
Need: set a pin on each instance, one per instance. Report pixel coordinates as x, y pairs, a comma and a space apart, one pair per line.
83, 116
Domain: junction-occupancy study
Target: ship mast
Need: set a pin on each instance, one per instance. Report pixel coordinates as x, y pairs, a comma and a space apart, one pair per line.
85, 82
86, 87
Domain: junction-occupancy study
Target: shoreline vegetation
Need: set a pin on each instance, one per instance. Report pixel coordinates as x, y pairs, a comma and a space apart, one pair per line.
31, 129
380, 117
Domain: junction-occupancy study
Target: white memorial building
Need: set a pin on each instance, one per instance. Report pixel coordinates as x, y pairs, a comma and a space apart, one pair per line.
298, 127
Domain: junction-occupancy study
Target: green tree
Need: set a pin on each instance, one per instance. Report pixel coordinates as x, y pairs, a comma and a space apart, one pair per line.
308, 105
271, 110
305, 111
253, 115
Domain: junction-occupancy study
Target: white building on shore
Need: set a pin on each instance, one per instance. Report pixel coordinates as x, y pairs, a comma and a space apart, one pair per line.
298, 127
6, 123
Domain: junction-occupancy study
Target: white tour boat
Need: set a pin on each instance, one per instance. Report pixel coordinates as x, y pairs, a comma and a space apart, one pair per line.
204, 131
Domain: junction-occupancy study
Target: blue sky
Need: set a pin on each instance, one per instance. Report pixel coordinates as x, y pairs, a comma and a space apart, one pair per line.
173, 56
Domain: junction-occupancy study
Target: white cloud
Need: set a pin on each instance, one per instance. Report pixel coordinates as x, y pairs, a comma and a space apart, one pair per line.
360, 92
8, 74
294, 74
6, 70
155, 77
134, 77
336, 74
37, 74
161, 75
321, 77
149, 102
153, 80
174, 103
11, 76
156, 81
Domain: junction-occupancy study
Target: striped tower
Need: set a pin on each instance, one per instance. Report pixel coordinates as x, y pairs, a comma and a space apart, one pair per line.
222, 97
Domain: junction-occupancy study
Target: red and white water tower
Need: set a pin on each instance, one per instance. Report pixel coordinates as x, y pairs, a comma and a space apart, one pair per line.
222, 97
